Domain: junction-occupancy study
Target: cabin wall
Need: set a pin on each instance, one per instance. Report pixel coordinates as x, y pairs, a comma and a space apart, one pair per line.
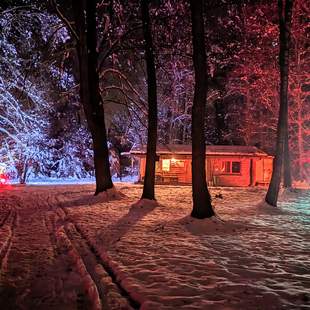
268, 166
253, 170
179, 172
263, 170
174, 175
218, 177
142, 167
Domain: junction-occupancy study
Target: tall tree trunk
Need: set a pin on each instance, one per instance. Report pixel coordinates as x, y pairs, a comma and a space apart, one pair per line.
202, 207
89, 89
300, 129
99, 134
287, 176
287, 182
285, 16
149, 179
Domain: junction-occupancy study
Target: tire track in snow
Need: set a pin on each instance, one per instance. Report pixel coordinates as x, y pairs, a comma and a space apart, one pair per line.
60, 249
109, 289
36, 275
43, 223
50, 222
6, 233
7, 214
111, 293
55, 222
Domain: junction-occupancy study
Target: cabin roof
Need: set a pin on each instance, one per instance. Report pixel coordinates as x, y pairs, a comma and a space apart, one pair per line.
186, 149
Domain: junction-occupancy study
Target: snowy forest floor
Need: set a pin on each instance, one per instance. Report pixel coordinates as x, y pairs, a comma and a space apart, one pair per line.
62, 248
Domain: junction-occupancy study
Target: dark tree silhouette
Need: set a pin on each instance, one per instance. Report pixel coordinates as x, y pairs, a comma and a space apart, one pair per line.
149, 179
202, 207
85, 22
285, 16
287, 182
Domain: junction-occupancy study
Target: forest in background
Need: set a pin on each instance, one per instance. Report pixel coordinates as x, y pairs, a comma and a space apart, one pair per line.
43, 130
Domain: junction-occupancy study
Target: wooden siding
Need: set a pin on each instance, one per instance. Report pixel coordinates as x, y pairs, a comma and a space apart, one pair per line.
253, 170
219, 178
263, 170
175, 174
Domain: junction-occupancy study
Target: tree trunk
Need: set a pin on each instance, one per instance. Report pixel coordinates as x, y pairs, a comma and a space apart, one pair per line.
23, 175
89, 90
285, 15
299, 79
99, 134
287, 182
287, 176
202, 207
149, 179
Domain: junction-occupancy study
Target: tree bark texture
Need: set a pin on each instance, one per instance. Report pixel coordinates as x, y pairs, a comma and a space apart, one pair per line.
85, 20
202, 207
287, 182
149, 179
285, 16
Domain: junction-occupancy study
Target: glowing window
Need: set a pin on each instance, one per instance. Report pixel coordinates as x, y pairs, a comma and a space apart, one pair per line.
166, 164
177, 163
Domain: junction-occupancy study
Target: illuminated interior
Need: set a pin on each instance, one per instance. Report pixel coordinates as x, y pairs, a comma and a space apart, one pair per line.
166, 165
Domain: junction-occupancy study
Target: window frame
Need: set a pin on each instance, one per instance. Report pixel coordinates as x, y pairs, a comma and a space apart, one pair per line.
232, 164
227, 167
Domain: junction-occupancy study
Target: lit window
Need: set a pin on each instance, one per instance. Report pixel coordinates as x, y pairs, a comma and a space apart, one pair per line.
177, 163
166, 165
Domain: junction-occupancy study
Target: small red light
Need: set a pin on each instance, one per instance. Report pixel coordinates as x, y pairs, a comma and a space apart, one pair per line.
3, 179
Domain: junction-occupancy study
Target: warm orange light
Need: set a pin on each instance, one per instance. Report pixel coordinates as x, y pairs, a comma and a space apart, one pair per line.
166, 164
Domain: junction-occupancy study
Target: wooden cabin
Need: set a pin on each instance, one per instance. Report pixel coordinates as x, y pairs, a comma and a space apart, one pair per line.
226, 165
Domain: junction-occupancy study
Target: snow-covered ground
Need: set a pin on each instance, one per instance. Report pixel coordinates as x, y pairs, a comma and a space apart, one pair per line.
62, 248
73, 180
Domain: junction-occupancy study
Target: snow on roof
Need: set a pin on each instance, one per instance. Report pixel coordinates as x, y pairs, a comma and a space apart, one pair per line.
186, 149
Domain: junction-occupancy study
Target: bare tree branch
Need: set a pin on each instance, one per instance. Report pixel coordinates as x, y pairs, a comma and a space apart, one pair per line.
64, 19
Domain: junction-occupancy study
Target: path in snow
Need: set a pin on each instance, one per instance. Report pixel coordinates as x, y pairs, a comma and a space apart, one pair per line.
45, 263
